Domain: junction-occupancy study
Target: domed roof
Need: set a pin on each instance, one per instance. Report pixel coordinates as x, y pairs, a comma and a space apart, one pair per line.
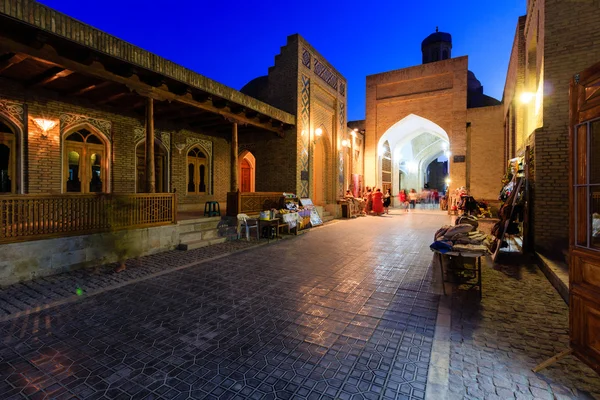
436, 37
257, 87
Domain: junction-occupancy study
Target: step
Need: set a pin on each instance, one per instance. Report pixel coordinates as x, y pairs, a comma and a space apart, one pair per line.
197, 225
196, 244
198, 235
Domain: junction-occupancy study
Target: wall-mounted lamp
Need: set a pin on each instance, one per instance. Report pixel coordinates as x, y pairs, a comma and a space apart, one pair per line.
345, 143
318, 134
45, 125
448, 181
179, 146
526, 97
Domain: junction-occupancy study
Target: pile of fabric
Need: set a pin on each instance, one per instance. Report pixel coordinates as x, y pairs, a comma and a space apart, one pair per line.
463, 237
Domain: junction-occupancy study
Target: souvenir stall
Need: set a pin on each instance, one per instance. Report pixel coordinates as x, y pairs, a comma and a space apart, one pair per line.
458, 250
294, 213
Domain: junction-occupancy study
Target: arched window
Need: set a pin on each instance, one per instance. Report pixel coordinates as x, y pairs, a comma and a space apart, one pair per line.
8, 159
85, 163
161, 167
197, 178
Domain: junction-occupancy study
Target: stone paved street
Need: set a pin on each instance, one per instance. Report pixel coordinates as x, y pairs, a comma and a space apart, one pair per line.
520, 322
345, 311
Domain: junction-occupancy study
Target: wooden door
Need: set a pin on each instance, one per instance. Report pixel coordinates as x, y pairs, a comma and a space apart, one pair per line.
245, 176
584, 272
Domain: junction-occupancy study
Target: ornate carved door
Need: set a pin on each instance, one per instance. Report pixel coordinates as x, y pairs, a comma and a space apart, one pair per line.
584, 274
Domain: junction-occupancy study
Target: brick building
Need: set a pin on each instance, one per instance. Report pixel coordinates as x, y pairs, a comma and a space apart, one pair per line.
90, 123
432, 125
553, 41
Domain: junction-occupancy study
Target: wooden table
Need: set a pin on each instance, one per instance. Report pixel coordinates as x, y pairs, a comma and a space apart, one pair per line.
461, 267
271, 223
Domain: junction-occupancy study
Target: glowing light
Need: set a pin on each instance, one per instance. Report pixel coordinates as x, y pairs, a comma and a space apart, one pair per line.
79, 292
448, 181
526, 97
412, 166
353, 133
44, 124
318, 132
355, 130
345, 143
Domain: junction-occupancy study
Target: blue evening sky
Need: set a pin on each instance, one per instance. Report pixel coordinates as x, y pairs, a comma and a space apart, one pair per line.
235, 41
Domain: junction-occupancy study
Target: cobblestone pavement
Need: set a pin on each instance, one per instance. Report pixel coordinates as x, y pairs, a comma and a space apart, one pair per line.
17, 298
520, 322
345, 311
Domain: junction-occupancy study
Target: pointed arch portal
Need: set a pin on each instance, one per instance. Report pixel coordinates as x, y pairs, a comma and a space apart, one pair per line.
416, 150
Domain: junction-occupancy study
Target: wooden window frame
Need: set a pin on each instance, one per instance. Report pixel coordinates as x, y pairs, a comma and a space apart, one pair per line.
197, 162
581, 185
85, 151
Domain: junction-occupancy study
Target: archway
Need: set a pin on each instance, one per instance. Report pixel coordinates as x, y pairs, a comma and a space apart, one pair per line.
413, 143
247, 171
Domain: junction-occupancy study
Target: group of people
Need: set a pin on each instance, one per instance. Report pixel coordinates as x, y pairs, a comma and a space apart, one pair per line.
426, 197
374, 201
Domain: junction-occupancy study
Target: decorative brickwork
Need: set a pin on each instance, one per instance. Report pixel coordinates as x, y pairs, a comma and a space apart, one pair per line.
69, 121
164, 137
305, 133
13, 111
325, 73
205, 144
306, 58
342, 129
342, 88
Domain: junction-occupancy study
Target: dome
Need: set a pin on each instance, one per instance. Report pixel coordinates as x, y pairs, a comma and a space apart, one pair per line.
436, 37
257, 88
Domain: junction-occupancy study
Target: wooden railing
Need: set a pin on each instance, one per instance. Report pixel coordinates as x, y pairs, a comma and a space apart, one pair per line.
33, 217
251, 202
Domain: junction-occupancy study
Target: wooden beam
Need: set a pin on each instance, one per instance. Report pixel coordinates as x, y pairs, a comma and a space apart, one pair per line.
10, 59
48, 76
90, 88
113, 98
96, 69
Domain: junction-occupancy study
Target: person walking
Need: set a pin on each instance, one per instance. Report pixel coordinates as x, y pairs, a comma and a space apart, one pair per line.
387, 200
378, 202
412, 197
403, 199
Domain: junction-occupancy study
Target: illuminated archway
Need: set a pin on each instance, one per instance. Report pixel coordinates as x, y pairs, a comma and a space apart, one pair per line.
411, 141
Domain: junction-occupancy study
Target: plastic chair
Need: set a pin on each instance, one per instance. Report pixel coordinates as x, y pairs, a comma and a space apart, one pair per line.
249, 224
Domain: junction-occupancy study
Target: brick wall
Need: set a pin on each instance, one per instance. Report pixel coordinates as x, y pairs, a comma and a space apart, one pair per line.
44, 158
569, 29
435, 91
486, 161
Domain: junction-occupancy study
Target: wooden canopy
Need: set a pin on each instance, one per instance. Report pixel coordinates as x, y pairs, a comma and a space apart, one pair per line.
41, 48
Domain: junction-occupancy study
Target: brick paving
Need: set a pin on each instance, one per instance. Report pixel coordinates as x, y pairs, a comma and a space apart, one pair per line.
345, 311
520, 322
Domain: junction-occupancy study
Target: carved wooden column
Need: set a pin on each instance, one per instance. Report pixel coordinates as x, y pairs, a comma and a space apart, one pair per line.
150, 178
234, 157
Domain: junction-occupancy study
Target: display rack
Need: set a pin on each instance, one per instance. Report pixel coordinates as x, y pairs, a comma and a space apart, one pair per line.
516, 204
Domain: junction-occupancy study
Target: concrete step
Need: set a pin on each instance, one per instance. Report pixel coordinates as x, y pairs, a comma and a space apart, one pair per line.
199, 235
327, 218
196, 244
197, 225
